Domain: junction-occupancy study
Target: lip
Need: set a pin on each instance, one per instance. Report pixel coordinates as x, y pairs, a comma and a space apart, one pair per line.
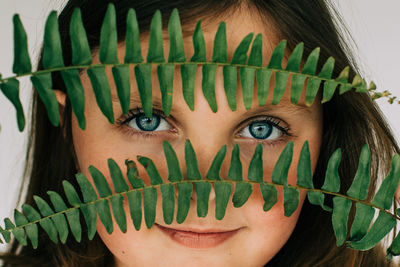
196, 238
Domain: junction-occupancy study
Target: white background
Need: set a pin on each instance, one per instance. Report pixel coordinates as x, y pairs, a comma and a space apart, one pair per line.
374, 25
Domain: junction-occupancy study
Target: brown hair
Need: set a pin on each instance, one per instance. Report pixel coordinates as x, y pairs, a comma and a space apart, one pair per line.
350, 121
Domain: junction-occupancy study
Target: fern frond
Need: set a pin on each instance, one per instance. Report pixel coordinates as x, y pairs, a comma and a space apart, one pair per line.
362, 235
250, 68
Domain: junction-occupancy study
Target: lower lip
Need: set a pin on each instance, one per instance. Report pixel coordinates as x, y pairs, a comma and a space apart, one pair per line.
197, 240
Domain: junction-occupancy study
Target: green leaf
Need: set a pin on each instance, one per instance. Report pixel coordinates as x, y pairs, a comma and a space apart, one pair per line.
255, 58
203, 194
192, 167
116, 176
88, 210
394, 249
277, 56
117, 202
32, 229
230, 85
151, 170
100, 182
362, 221
133, 175
310, 67
6, 234
382, 226
332, 179
344, 75
174, 171
103, 209
294, 61
208, 84
143, 80
74, 224
269, 194
220, 50
149, 204
168, 202
222, 193
11, 90
122, 82
263, 77
135, 207
359, 187
343, 78
165, 75
255, 171
290, 199
247, 76
19, 234
385, 194
156, 52
242, 193
184, 195
102, 91
46, 223
43, 85
52, 49
8, 225
75, 93
297, 85
108, 37
133, 52
71, 193
327, 69
61, 225
81, 54
43, 207
188, 74
281, 168
317, 198
90, 215
215, 168
176, 52
312, 90
240, 54
281, 79
22, 62
329, 90
59, 220
340, 215
235, 168
199, 44
304, 171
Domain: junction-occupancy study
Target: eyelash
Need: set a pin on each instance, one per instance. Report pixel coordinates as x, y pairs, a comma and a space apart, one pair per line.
125, 119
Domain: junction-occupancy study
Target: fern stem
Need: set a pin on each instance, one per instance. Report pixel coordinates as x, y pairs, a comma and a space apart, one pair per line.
204, 181
2, 80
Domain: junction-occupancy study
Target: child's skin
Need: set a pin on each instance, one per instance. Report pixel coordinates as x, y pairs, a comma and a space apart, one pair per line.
262, 234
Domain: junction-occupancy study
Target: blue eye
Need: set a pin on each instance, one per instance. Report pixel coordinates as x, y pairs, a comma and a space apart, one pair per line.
139, 121
267, 129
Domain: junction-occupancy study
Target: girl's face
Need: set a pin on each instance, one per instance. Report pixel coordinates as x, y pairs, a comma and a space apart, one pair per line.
259, 235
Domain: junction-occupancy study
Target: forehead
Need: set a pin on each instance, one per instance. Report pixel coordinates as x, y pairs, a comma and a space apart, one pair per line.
239, 23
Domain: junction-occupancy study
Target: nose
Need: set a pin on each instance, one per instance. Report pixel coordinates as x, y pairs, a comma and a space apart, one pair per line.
204, 153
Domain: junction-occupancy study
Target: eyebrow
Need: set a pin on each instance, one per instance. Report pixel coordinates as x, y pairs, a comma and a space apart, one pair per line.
284, 105
156, 101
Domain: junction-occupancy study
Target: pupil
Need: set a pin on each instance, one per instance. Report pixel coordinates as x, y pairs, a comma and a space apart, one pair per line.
147, 124
260, 130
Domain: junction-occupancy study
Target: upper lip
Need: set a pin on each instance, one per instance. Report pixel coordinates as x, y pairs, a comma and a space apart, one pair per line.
200, 231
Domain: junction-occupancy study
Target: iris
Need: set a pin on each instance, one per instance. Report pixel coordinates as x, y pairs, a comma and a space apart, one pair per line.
260, 130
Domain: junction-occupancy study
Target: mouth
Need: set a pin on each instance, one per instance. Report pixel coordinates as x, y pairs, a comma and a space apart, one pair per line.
195, 238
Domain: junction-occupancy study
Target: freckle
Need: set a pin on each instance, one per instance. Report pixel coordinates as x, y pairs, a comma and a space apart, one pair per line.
123, 252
